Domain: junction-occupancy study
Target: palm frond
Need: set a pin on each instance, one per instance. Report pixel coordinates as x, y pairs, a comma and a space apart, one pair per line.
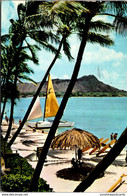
121, 26
24, 77
21, 9
5, 38
117, 7
67, 7
66, 49
25, 69
49, 47
118, 10
101, 26
32, 50
41, 35
32, 7
103, 40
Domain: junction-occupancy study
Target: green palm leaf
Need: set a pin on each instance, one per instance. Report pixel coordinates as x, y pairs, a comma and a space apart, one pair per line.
103, 40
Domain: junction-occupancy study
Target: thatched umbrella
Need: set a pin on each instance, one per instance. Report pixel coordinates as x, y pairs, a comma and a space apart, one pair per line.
75, 137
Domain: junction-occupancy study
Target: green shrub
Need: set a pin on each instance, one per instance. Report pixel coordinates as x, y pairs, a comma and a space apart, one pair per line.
4, 148
15, 183
21, 183
19, 165
19, 177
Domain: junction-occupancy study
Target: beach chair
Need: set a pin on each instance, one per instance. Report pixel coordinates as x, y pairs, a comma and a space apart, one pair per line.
101, 143
118, 182
87, 148
106, 147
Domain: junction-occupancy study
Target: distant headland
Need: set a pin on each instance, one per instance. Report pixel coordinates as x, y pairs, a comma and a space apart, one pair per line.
84, 86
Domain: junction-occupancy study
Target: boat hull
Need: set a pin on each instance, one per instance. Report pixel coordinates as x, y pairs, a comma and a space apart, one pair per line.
48, 124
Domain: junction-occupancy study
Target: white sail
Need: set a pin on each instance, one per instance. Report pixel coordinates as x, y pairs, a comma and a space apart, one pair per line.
36, 111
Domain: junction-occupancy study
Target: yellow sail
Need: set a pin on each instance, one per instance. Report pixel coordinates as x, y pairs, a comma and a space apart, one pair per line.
51, 104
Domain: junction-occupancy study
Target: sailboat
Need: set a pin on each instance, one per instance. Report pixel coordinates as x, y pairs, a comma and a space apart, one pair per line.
50, 110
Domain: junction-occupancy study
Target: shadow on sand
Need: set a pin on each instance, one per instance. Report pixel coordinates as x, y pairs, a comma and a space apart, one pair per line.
75, 174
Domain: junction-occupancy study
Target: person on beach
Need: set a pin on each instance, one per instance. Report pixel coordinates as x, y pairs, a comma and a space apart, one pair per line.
79, 154
6, 118
36, 124
73, 162
20, 121
13, 121
111, 136
115, 136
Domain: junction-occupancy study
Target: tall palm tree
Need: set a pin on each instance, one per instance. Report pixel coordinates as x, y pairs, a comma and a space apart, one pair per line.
19, 31
5, 75
64, 24
22, 72
94, 8
8, 70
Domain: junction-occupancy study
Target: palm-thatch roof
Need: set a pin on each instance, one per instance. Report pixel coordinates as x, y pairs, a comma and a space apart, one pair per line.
75, 137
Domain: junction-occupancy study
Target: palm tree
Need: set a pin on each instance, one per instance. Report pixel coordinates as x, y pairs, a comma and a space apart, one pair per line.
7, 71
94, 8
5, 74
64, 24
19, 31
22, 70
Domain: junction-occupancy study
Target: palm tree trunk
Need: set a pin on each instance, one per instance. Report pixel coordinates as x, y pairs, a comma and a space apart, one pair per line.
12, 106
16, 62
104, 163
33, 185
5, 83
36, 94
3, 109
10, 120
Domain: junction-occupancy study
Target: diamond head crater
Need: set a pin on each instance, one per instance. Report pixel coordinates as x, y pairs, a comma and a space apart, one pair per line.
84, 86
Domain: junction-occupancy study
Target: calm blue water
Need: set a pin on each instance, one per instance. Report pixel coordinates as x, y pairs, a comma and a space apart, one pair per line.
98, 115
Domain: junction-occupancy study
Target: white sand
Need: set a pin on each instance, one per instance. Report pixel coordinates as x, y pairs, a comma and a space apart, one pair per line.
61, 159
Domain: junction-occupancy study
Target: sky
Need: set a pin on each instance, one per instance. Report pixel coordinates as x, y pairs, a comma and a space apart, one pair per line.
108, 64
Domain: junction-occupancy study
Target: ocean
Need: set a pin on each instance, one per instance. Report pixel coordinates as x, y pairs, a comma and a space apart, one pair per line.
98, 115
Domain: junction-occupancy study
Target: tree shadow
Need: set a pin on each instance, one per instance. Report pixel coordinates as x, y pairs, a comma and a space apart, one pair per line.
95, 159
75, 174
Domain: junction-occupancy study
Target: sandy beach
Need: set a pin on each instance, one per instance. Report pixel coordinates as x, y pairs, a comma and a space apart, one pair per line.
57, 168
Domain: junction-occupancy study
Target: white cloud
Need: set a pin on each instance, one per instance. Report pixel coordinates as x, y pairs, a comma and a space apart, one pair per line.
101, 55
109, 75
115, 75
17, 2
66, 77
7, 12
104, 18
105, 74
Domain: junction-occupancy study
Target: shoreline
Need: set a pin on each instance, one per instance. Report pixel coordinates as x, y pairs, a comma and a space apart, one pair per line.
59, 161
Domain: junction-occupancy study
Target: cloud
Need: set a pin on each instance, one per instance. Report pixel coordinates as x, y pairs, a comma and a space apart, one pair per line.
15, 2
65, 76
111, 61
97, 54
7, 12
106, 75
104, 18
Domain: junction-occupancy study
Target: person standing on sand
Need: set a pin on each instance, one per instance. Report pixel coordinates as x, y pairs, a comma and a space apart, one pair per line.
6, 118
115, 136
79, 154
111, 136
20, 121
